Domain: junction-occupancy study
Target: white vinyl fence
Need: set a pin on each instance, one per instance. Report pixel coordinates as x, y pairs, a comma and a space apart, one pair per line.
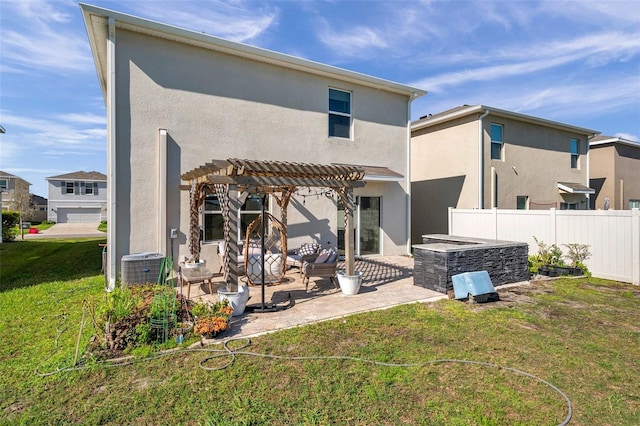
613, 236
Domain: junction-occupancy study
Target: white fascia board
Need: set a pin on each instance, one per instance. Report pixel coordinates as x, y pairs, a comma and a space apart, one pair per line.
615, 140
571, 190
206, 41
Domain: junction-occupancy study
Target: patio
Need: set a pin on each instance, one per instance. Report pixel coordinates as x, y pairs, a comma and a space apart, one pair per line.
387, 282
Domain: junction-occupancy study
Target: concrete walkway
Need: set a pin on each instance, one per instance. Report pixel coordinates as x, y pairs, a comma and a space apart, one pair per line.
387, 282
69, 230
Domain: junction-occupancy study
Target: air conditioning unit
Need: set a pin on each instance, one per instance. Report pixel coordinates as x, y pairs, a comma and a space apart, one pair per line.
141, 268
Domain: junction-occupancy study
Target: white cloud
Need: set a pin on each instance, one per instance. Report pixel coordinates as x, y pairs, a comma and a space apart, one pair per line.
36, 36
628, 137
238, 21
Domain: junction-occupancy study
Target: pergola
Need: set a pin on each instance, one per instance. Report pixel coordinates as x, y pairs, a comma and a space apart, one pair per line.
229, 178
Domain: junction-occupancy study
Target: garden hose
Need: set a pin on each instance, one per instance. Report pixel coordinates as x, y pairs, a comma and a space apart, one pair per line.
232, 353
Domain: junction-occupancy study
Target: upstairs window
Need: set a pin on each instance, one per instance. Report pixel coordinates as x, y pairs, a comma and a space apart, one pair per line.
67, 188
496, 141
575, 153
4, 184
339, 114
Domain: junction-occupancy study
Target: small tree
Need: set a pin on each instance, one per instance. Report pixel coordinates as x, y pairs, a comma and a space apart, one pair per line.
23, 203
578, 253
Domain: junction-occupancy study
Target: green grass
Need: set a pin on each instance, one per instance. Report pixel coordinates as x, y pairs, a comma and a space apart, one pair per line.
582, 335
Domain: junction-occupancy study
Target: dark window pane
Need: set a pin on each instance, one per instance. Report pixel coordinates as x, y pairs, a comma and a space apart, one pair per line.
496, 153
339, 101
213, 227
339, 126
496, 132
253, 203
245, 220
211, 203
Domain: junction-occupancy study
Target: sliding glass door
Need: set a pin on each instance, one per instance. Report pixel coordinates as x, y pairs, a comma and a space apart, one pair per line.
366, 226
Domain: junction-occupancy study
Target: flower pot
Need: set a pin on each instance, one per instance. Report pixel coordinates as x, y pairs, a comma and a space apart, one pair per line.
350, 284
237, 299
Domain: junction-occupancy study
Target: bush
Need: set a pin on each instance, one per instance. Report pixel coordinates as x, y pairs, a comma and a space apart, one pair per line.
10, 221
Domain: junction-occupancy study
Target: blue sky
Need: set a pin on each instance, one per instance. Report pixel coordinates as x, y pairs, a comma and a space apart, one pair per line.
574, 62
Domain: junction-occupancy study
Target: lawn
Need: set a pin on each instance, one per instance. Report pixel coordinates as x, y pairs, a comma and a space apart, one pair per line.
579, 335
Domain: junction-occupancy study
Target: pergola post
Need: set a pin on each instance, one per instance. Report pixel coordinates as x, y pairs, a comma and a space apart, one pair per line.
231, 237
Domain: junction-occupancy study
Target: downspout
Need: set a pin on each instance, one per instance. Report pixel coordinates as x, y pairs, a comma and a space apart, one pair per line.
589, 170
408, 174
111, 155
481, 160
162, 192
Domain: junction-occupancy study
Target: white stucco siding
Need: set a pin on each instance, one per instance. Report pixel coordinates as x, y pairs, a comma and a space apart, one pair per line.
218, 106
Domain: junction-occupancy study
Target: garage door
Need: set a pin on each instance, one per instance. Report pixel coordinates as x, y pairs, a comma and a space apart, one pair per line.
78, 215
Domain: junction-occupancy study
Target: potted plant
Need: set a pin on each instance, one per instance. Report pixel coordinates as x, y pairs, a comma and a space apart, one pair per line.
577, 254
211, 319
349, 284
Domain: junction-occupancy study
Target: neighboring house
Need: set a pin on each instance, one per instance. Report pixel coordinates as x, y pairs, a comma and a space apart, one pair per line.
482, 157
39, 212
12, 190
78, 197
614, 173
177, 99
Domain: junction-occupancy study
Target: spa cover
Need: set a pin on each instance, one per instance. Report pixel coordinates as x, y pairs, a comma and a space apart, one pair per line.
476, 284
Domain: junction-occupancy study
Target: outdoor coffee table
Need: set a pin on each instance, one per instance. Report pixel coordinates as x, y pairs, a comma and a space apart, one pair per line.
198, 275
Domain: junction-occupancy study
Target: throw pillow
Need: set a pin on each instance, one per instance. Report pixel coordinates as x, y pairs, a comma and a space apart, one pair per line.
324, 255
306, 249
332, 257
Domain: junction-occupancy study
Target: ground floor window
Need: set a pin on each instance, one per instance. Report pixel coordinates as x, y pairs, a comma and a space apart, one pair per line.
634, 204
522, 202
569, 206
213, 220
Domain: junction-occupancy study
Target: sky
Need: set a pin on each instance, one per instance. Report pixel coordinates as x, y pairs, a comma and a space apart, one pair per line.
575, 62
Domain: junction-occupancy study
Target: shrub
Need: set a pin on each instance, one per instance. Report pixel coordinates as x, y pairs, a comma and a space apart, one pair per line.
578, 253
547, 254
10, 221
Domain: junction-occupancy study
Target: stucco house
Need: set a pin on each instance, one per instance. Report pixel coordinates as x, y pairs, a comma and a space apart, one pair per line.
477, 156
614, 173
77, 197
12, 188
177, 99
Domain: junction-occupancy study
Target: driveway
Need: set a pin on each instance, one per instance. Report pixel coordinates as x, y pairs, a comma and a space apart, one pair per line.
69, 230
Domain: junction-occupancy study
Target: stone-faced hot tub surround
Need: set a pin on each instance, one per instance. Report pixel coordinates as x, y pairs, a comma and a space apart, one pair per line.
439, 257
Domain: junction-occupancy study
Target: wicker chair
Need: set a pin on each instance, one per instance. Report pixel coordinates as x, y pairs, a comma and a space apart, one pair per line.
306, 253
322, 266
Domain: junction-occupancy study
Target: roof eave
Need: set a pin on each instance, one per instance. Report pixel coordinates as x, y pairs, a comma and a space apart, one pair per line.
234, 48
475, 109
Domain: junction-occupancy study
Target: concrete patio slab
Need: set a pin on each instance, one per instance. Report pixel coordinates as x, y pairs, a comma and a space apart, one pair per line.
387, 282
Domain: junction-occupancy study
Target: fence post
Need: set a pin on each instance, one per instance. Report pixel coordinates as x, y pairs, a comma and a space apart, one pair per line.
494, 212
552, 226
635, 246
450, 220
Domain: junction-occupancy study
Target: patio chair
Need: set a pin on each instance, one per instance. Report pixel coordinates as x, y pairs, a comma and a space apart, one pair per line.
306, 252
324, 265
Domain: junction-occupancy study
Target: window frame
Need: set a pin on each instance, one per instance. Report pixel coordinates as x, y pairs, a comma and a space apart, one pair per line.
336, 113
633, 203
242, 217
499, 143
69, 185
575, 155
5, 185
